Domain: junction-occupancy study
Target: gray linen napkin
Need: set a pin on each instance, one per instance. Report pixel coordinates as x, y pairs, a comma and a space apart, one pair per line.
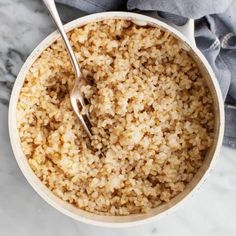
215, 36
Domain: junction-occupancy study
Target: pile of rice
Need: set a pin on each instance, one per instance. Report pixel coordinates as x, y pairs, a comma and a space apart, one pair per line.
150, 109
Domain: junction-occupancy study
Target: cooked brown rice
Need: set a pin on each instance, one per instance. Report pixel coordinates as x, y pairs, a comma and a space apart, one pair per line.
150, 109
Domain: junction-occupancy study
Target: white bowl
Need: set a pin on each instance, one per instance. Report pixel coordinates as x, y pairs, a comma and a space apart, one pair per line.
135, 219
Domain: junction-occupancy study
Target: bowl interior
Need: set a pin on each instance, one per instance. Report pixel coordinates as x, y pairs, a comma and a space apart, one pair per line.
87, 217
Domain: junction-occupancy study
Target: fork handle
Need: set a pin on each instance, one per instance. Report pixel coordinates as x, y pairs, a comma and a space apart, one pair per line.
51, 6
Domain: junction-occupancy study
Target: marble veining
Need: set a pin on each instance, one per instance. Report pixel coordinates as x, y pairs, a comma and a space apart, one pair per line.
212, 210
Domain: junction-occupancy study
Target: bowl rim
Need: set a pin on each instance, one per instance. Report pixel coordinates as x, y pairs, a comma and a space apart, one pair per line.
15, 140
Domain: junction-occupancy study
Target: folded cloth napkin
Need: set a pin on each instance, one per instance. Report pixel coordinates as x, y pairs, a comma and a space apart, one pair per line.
215, 34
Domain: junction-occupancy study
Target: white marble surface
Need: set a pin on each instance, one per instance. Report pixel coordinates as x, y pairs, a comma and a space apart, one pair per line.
212, 211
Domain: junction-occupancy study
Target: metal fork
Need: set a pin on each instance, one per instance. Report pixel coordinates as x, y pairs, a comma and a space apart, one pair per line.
76, 96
